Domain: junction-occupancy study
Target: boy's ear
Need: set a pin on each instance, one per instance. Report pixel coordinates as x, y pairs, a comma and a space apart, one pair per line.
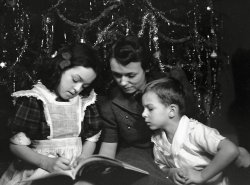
173, 110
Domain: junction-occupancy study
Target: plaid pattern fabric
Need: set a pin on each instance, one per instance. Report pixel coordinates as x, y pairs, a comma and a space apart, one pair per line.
29, 118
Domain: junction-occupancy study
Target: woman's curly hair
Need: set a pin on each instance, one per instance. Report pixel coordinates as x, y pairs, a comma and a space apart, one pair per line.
131, 49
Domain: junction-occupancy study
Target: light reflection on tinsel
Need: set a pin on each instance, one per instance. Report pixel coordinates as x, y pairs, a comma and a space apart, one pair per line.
143, 25
48, 29
161, 15
103, 34
150, 19
21, 52
3, 64
22, 32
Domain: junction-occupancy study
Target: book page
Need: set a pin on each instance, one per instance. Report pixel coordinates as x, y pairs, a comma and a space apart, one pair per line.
41, 174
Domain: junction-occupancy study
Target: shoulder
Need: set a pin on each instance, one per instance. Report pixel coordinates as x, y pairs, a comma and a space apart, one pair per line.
155, 75
105, 100
31, 102
203, 135
103, 103
196, 126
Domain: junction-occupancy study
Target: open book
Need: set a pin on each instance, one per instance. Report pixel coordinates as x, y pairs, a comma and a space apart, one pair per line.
98, 169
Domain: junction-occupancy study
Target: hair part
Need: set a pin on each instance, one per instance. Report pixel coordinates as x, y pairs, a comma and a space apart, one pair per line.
169, 91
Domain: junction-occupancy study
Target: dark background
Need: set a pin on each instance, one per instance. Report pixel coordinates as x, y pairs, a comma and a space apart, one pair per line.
234, 118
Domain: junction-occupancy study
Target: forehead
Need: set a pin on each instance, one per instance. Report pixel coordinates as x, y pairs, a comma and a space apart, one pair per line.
132, 67
150, 97
86, 74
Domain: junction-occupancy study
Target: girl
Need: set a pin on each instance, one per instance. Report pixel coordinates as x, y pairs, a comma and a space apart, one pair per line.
188, 151
53, 118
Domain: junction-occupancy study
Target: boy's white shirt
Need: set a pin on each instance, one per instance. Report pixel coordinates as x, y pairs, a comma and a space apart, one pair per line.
194, 145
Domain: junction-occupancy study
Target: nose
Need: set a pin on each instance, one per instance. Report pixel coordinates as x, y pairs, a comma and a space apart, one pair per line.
123, 81
78, 87
144, 114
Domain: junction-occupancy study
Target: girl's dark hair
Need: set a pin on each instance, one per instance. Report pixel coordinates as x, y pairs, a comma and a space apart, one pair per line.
169, 91
51, 69
131, 49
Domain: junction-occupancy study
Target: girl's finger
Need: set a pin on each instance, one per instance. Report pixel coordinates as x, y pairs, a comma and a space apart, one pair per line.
64, 160
189, 182
64, 166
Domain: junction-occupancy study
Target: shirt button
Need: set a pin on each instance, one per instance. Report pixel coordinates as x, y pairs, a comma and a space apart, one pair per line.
129, 127
126, 117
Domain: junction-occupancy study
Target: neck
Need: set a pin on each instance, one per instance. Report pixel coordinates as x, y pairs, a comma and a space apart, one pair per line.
171, 128
61, 99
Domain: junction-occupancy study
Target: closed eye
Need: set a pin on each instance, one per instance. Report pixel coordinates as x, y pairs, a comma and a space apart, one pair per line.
76, 79
131, 75
85, 85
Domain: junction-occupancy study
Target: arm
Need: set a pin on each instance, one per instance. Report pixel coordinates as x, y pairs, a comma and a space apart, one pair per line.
88, 148
91, 130
26, 154
108, 149
243, 160
89, 145
227, 152
109, 134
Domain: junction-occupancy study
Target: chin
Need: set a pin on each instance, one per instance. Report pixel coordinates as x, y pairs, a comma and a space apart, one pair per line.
129, 91
153, 127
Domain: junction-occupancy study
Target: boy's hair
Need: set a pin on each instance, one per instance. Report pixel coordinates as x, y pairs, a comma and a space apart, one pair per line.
169, 91
51, 69
131, 49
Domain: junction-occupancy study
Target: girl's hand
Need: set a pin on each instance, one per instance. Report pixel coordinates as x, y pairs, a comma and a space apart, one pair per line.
177, 175
193, 177
57, 164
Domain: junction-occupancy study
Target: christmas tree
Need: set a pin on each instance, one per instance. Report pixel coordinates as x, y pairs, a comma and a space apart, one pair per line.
185, 32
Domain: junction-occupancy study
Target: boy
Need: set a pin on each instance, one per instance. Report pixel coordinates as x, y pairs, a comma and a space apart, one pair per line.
188, 151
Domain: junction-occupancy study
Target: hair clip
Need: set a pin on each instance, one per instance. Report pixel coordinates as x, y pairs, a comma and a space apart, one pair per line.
66, 55
65, 63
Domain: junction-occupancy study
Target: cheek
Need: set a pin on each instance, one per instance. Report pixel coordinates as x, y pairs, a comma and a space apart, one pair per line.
136, 81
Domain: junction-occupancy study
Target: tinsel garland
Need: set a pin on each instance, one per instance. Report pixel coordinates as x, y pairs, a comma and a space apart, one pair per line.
90, 22
110, 24
161, 15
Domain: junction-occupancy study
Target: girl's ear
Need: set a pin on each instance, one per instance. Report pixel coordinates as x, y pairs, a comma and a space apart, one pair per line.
173, 110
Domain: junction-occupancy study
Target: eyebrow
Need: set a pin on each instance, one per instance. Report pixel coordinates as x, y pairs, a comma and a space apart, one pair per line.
123, 73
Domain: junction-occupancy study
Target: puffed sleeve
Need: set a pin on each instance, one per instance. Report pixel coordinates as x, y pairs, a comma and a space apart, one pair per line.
91, 124
110, 128
206, 137
27, 119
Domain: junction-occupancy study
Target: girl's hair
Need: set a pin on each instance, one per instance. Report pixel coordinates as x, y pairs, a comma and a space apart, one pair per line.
131, 49
69, 56
169, 91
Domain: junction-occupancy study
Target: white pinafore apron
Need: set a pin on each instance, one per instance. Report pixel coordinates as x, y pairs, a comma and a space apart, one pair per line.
64, 120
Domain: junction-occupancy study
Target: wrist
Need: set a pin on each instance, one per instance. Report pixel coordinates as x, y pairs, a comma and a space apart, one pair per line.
45, 162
